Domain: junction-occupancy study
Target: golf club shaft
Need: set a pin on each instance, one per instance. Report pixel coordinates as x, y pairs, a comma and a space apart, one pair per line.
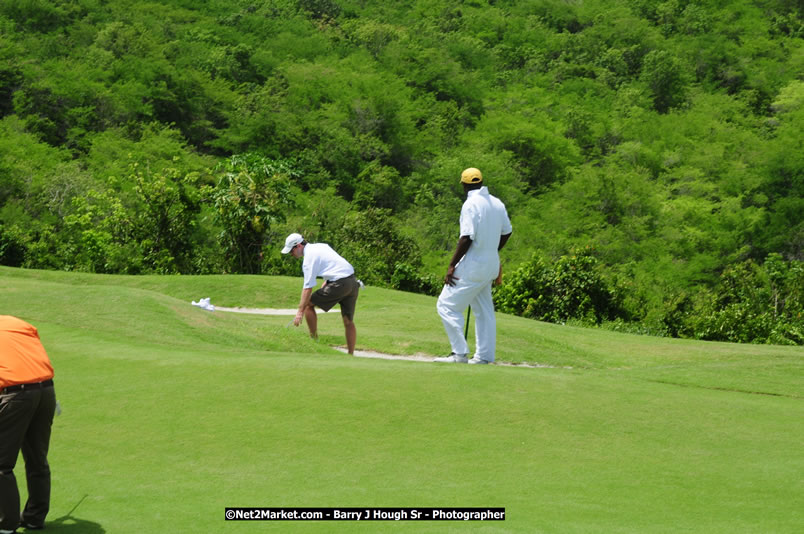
466, 330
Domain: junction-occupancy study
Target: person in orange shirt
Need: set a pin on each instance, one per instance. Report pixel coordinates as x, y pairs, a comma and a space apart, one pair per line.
27, 406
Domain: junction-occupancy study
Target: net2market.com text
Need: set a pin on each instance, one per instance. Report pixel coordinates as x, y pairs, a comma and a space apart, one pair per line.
365, 514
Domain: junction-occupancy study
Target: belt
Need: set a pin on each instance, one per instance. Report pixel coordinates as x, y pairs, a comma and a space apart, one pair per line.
23, 387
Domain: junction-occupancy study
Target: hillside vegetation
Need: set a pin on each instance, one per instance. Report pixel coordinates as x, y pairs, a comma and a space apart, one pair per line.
650, 153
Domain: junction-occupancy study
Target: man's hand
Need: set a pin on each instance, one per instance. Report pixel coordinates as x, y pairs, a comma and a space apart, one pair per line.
460, 251
498, 281
307, 293
450, 278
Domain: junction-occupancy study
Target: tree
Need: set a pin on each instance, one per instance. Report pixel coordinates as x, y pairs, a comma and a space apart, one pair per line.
372, 242
252, 193
168, 203
97, 237
663, 74
380, 187
753, 304
783, 179
13, 245
540, 155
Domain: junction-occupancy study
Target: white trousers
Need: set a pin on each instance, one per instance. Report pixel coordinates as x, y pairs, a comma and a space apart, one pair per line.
451, 308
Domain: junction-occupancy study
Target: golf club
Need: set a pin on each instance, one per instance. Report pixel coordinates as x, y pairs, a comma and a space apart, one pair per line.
466, 330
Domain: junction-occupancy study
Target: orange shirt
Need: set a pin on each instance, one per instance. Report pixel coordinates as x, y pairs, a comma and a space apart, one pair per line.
23, 359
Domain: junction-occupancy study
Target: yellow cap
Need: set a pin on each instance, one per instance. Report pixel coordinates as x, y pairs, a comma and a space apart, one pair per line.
471, 176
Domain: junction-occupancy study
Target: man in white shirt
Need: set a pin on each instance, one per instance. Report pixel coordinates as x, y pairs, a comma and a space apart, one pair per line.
340, 285
475, 265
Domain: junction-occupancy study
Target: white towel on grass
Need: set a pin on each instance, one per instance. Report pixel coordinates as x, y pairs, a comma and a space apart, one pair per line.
205, 304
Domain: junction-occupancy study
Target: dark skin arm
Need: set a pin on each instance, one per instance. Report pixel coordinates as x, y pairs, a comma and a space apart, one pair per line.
460, 251
503, 241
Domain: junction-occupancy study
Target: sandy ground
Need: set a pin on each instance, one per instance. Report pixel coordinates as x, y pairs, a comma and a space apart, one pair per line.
418, 357
260, 311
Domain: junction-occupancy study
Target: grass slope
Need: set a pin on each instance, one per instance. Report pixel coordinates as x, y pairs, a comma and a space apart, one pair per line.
172, 413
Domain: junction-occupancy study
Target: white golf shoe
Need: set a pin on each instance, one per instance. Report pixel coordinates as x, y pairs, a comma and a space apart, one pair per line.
477, 360
452, 358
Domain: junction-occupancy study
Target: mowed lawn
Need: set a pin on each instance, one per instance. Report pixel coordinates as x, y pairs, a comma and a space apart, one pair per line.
172, 413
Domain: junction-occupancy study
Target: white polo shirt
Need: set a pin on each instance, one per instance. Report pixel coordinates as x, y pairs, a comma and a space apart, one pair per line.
320, 260
484, 219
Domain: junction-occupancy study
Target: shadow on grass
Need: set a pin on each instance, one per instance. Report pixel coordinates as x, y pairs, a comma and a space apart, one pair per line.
67, 524
72, 525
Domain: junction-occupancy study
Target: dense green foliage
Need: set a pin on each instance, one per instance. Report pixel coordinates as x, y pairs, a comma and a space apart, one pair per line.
252, 193
751, 304
570, 288
191, 137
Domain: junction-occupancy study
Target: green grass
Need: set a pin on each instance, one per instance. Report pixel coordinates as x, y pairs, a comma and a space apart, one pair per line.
172, 413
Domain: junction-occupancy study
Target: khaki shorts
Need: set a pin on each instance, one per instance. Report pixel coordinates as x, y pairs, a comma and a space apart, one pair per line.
343, 292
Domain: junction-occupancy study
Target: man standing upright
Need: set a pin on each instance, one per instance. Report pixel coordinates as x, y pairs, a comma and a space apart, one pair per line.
475, 265
27, 405
340, 285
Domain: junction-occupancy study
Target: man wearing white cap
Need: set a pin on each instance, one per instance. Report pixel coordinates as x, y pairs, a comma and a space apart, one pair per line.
475, 265
340, 285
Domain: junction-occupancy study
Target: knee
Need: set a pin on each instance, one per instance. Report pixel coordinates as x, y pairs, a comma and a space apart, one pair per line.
445, 310
37, 471
441, 306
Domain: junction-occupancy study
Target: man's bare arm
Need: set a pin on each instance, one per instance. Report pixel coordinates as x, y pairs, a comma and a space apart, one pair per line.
306, 294
460, 251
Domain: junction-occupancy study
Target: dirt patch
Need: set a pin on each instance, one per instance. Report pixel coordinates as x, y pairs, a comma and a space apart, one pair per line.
259, 311
419, 357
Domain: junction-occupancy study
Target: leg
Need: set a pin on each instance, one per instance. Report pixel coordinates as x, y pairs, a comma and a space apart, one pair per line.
351, 334
351, 289
34, 452
15, 413
9, 500
451, 306
312, 320
485, 325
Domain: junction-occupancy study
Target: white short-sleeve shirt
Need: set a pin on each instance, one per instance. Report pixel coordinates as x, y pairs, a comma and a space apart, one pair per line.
484, 219
320, 260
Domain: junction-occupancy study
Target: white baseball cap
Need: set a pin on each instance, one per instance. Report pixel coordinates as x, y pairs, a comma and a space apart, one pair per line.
291, 241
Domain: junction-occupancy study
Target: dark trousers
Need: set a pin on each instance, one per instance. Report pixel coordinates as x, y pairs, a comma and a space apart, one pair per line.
26, 418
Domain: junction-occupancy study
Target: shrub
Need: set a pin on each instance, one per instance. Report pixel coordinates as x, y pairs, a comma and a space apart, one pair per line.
12, 245
570, 289
407, 278
751, 304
